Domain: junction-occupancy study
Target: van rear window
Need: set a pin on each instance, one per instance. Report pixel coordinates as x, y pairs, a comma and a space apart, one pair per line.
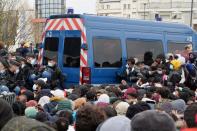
51, 48
107, 52
72, 47
176, 46
137, 48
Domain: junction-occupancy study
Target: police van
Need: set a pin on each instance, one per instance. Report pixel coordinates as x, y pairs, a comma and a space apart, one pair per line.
92, 49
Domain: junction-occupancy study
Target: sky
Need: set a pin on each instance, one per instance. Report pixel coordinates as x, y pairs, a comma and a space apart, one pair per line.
80, 6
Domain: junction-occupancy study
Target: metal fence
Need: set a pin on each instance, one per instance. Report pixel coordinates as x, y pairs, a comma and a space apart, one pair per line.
10, 98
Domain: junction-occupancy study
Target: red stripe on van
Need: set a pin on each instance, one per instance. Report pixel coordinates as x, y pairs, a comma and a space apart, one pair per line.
68, 24
51, 24
57, 25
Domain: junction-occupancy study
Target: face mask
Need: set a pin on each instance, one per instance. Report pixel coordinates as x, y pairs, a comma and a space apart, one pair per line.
127, 66
17, 71
23, 65
159, 72
171, 67
34, 87
33, 62
2, 71
196, 94
50, 64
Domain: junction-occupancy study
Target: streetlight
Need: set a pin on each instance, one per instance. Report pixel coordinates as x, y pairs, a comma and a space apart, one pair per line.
191, 17
144, 11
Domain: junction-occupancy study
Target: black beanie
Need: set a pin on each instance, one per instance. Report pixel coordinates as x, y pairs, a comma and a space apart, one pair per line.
137, 108
6, 112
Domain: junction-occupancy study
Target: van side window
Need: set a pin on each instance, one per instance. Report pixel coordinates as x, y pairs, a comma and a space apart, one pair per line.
176, 46
137, 48
107, 52
51, 48
72, 46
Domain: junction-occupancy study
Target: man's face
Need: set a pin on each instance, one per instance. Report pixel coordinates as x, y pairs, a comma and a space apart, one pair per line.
29, 59
129, 64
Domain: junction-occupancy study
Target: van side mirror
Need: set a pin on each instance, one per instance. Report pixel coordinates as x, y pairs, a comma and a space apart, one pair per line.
84, 46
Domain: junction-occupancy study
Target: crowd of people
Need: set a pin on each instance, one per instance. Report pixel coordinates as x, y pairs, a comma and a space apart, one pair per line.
153, 95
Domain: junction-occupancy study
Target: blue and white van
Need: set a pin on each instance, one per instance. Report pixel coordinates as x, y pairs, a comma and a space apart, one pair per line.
92, 49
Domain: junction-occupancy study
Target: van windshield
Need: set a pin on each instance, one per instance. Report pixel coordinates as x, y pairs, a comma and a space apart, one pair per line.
51, 49
72, 46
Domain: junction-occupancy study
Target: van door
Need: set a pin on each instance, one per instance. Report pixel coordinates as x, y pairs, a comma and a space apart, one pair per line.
70, 55
51, 46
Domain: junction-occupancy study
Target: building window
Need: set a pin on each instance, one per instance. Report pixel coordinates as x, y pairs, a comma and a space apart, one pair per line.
129, 6
107, 52
125, 6
108, 6
102, 6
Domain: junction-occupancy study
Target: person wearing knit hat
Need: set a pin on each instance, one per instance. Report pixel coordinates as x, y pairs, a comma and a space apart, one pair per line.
25, 124
190, 115
64, 105
167, 107
4, 89
6, 112
130, 95
29, 94
137, 108
31, 112
103, 98
43, 100
117, 123
179, 105
41, 116
39, 84
31, 103
122, 108
58, 93
18, 108
152, 121
79, 103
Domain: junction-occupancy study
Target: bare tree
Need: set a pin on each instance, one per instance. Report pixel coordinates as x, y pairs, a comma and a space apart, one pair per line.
15, 22
8, 21
25, 26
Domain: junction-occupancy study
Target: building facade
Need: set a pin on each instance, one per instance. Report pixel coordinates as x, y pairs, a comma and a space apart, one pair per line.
167, 10
46, 8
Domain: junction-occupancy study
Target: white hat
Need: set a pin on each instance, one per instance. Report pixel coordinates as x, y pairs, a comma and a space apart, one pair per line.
43, 79
58, 93
44, 100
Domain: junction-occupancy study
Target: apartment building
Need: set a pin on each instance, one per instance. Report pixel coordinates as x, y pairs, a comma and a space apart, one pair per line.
166, 10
